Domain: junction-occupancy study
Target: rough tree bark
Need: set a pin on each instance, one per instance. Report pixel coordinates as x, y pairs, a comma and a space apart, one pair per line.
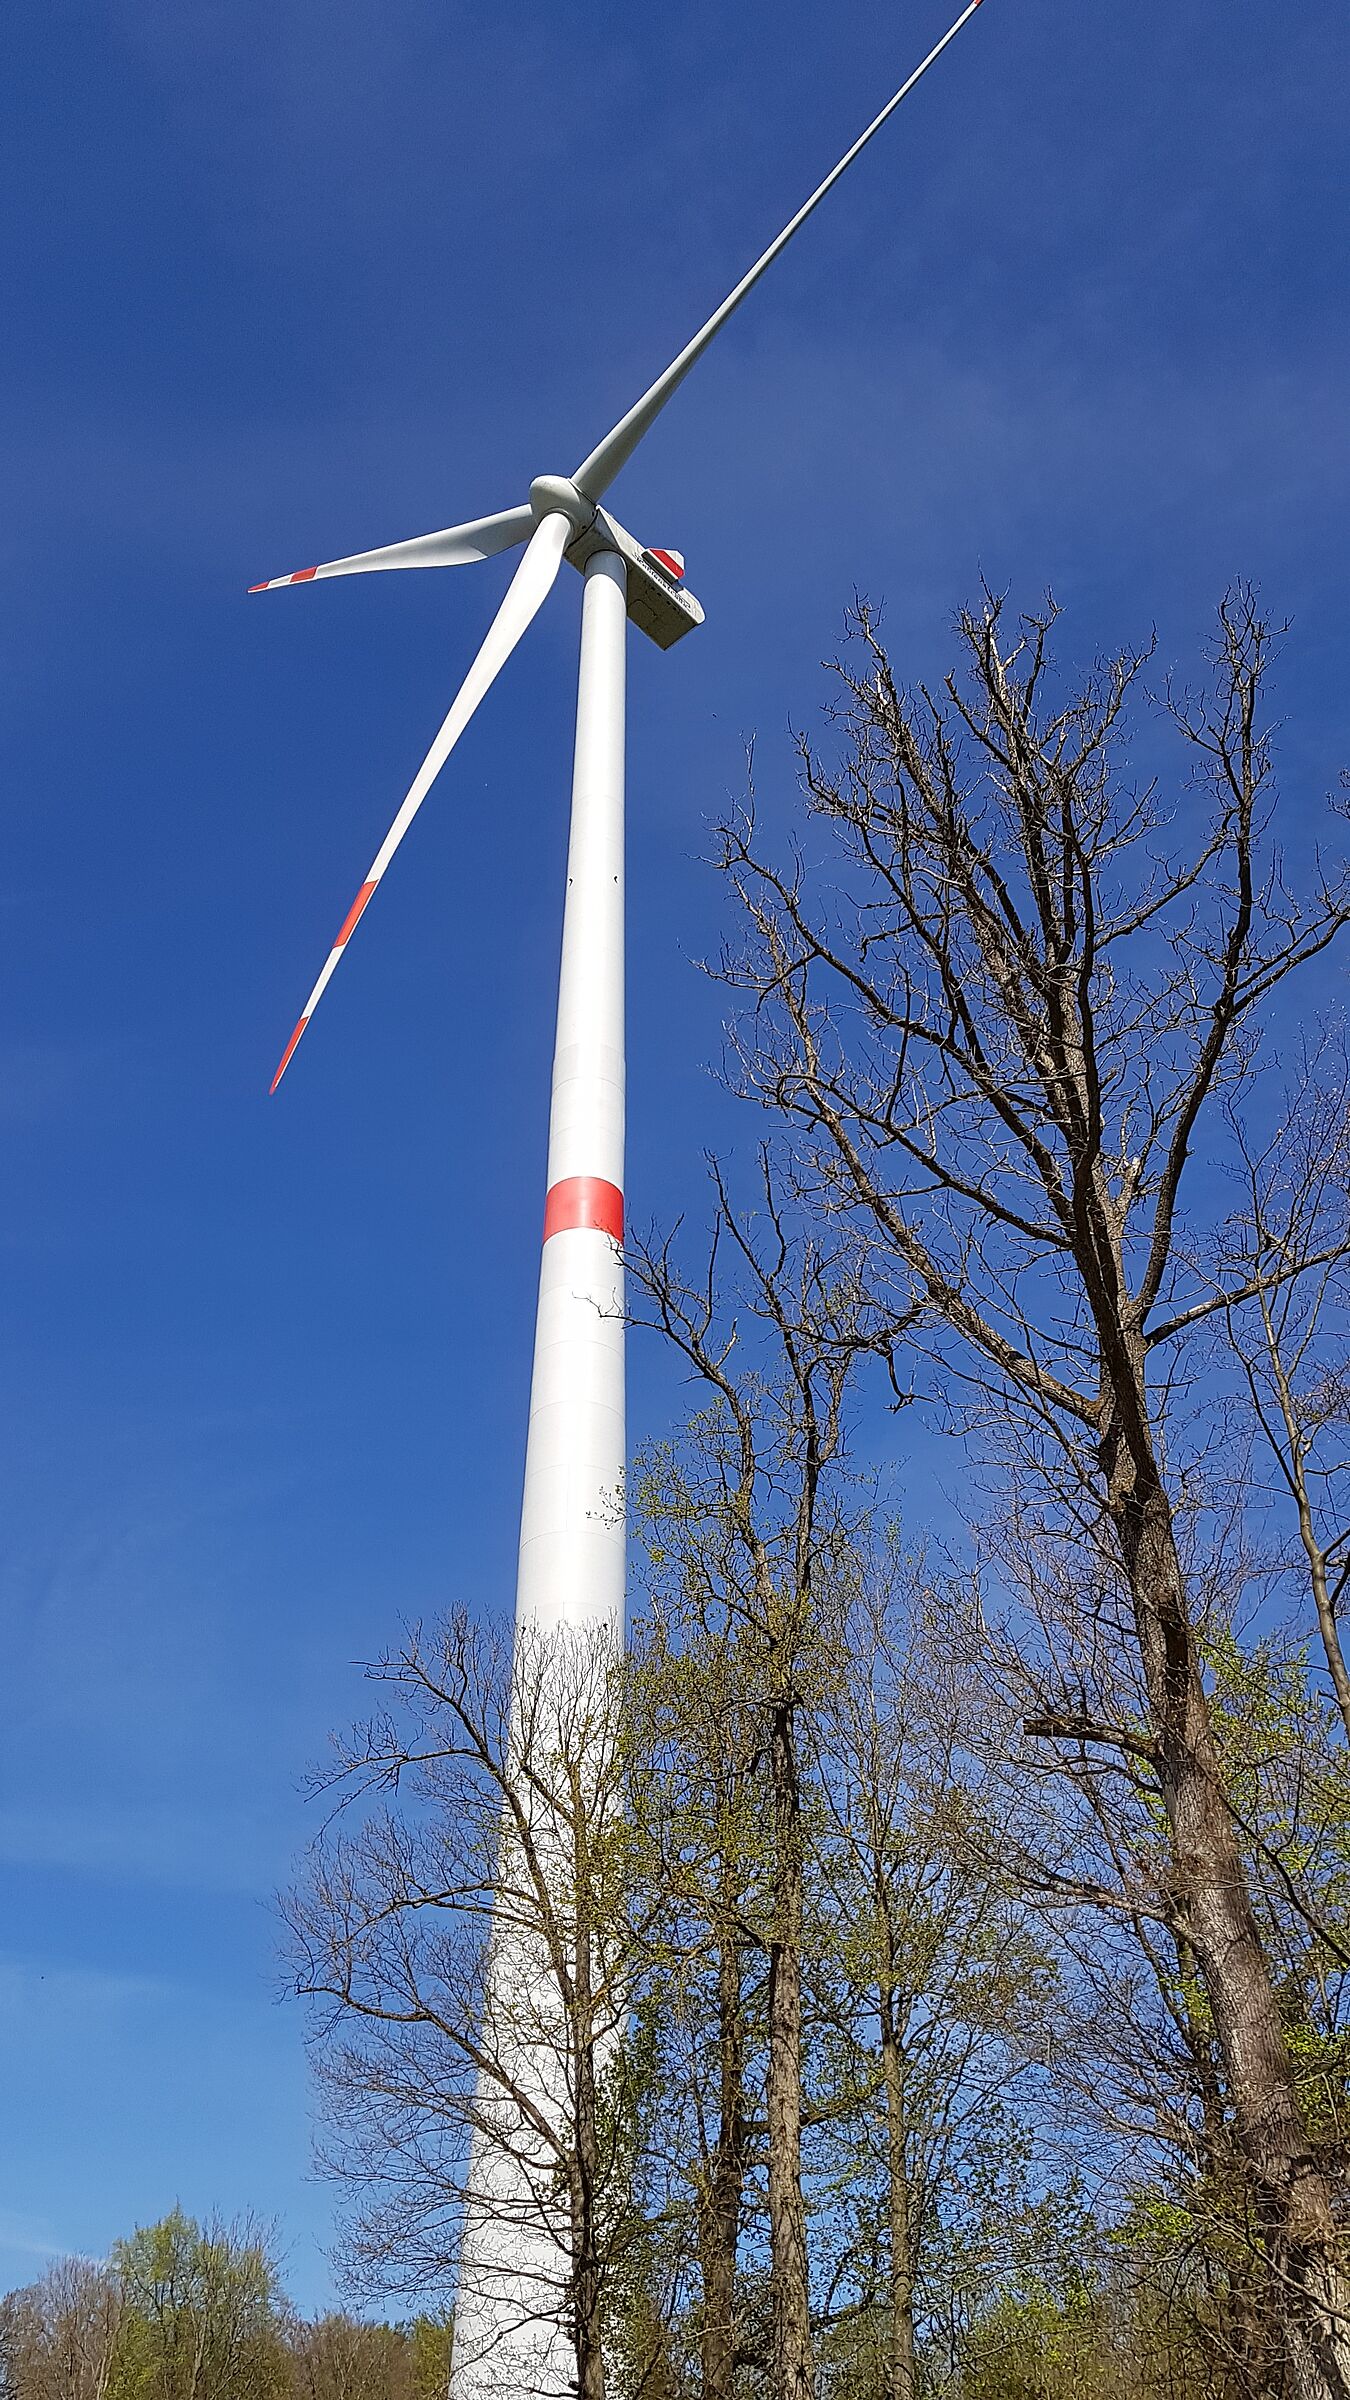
902, 2363
697, 1818
721, 2200
792, 2376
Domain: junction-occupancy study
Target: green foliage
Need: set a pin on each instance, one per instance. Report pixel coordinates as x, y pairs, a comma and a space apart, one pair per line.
1033, 2344
429, 2341
186, 2312
202, 2313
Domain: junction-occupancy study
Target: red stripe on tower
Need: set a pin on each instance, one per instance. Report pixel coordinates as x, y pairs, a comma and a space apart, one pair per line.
353, 916
584, 1203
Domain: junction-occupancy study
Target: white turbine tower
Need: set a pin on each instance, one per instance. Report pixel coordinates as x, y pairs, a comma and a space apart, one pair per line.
571, 1566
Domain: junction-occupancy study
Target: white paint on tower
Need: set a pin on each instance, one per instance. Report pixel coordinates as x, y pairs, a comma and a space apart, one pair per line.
511, 2334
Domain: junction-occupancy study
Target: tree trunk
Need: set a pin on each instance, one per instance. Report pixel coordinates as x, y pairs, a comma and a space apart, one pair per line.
587, 2273
902, 2372
1326, 1613
1295, 1467
792, 2377
1293, 2197
720, 2208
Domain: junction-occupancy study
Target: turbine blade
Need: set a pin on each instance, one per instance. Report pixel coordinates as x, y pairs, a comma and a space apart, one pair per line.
528, 590
457, 546
598, 471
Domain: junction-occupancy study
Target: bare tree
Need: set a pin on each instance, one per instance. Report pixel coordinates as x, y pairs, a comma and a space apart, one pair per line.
757, 1517
59, 2336
1000, 1033
1287, 1249
465, 1934
338, 2357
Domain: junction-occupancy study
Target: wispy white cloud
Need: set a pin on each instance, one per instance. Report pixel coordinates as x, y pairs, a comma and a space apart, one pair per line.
222, 1851
24, 2239
26, 1985
276, 96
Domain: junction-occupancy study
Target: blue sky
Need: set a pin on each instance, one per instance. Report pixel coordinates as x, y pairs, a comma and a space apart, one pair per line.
285, 278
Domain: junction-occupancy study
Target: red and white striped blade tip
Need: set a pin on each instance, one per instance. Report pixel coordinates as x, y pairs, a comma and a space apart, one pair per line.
349, 925
526, 593
287, 1055
301, 575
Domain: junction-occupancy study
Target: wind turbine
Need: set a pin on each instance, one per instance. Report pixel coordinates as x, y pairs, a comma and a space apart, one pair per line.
571, 1564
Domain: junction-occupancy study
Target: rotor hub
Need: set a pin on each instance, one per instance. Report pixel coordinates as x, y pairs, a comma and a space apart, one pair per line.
557, 496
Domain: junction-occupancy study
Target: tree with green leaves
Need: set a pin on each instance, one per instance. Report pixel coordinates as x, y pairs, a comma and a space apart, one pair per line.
696, 1811
933, 1985
202, 2311
748, 1524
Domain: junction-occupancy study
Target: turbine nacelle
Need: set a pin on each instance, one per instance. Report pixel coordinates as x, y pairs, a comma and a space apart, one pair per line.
658, 603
